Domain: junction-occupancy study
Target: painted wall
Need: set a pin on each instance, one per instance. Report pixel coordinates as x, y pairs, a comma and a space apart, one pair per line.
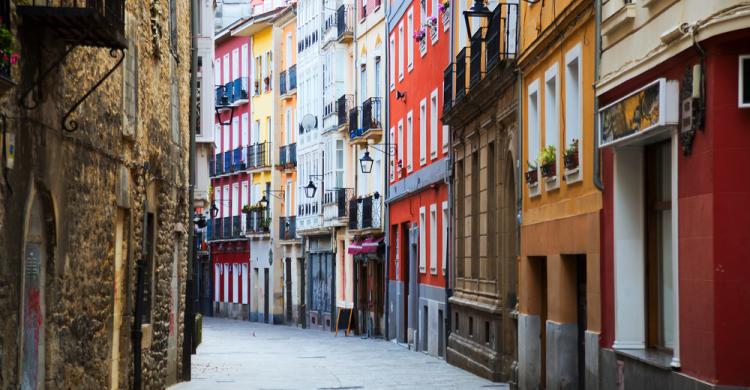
288, 104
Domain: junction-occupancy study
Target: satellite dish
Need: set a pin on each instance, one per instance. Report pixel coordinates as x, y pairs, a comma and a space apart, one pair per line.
308, 122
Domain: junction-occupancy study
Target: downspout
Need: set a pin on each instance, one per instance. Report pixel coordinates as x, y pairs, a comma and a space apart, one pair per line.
597, 64
189, 319
387, 154
451, 232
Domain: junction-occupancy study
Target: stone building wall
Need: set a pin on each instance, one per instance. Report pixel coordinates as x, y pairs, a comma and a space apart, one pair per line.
89, 181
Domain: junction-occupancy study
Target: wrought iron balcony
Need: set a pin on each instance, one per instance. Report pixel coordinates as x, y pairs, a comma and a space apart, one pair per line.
236, 227
448, 87
211, 167
238, 160
476, 71
282, 83
345, 23
239, 91
287, 228
461, 74
365, 212
288, 156
257, 221
209, 230
292, 78
371, 114
223, 99
343, 105
228, 162
335, 203
96, 23
219, 165
355, 126
258, 155
227, 227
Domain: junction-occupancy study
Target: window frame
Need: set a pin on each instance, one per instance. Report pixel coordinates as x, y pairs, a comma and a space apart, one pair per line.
423, 132
401, 58
409, 139
445, 242
409, 38
433, 112
741, 80
422, 239
433, 238
552, 122
392, 61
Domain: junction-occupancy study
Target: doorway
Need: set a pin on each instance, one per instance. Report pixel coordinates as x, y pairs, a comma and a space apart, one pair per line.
425, 337
266, 297
581, 316
302, 316
288, 287
441, 333
405, 274
538, 305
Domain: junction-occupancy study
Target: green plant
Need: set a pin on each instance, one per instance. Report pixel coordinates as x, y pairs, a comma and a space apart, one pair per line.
247, 208
8, 55
532, 165
572, 148
548, 155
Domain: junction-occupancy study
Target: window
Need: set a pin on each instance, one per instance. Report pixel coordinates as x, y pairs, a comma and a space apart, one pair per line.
422, 240
409, 139
339, 163
236, 132
433, 238
573, 102
269, 127
288, 51
243, 65
392, 73
400, 144
409, 37
244, 201
551, 114
445, 237
378, 69
434, 124
533, 122
436, 15
744, 81
446, 138
244, 140
173, 27
363, 82
226, 69
461, 26
423, 132
235, 64
288, 127
393, 139
255, 135
130, 80
400, 51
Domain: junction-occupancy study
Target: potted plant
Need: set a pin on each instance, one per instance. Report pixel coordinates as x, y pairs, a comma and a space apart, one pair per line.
431, 22
8, 55
444, 6
257, 87
548, 161
570, 157
532, 174
246, 209
419, 35
267, 82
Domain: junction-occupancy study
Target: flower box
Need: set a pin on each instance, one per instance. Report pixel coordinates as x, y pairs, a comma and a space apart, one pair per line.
532, 177
571, 161
549, 170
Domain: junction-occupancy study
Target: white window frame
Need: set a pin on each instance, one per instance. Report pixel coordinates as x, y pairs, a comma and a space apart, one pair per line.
393, 156
235, 283
400, 145
401, 58
552, 120
434, 102
244, 59
741, 80
423, 132
433, 238
409, 139
235, 134
435, 13
422, 239
392, 71
235, 64
445, 239
225, 70
533, 136
574, 112
245, 131
235, 199
409, 38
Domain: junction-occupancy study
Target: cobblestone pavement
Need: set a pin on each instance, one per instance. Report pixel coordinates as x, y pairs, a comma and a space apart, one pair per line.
248, 355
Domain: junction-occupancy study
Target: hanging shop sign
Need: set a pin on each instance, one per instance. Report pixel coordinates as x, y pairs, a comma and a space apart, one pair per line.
647, 113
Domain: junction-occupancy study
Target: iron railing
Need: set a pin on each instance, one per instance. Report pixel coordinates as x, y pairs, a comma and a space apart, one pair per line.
355, 126
228, 162
343, 105
476, 73
227, 227
502, 35
371, 118
282, 83
236, 227
211, 167
287, 228
239, 89
292, 78
461, 74
365, 212
288, 155
337, 198
238, 160
209, 230
257, 221
344, 22
258, 155
222, 98
219, 167
448, 87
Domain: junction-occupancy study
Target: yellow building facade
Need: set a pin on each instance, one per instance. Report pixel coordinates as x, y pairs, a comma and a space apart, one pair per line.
559, 295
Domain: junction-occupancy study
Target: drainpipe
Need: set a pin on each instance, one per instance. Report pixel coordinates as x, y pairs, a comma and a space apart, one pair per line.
386, 189
189, 321
597, 63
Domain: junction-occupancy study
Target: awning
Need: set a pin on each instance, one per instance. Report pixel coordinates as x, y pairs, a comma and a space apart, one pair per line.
371, 244
355, 248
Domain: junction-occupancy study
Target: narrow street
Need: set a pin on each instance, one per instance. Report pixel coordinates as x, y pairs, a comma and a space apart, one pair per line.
248, 355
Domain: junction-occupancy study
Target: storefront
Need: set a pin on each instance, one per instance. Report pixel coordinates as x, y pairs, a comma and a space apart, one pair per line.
368, 285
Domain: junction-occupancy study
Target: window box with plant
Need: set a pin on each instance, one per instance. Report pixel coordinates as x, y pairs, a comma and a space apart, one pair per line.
267, 82
548, 162
419, 35
570, 157
532, 174
8, 56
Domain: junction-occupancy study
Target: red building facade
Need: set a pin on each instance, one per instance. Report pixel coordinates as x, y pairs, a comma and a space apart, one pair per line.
685, 329
418, 44
230, 182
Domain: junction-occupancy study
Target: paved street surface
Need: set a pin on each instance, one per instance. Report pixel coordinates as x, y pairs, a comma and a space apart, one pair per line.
248, 355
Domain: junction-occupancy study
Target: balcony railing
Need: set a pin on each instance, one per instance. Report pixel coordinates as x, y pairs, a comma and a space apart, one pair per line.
228, 162
238, 160
448, 87
288, 156
292, 78
222, 97
236, 227
219, 165
355, 126
335, 203
78, 22
257, 221
343, 105
476, 73
365, 212
210, 230
258, 155
461, 74
227, 229
211, 167
287, 228
345, 22
282, 83
371, 114
239, 90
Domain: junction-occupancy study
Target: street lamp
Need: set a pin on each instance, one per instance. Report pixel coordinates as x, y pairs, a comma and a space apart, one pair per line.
310, 189
365, 162
478, 12
263, 202
200, 221
214, 209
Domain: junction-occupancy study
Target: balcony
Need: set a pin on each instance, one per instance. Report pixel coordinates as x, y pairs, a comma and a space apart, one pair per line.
288, 228
343, 105
258, 156
78, 22
355, 126
257, 222
484, 58
345, 23
336, 206
293, 78
228, 168
287, 157
239, 91
365, 213
238, 160
372, 119
211, 167
219, 166
210, 230
226, 232
282, 83
223, 98
236, 227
